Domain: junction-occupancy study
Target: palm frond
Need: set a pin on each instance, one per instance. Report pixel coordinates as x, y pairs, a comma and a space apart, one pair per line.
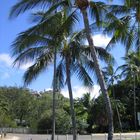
25, 5
119, 29
42, 15
119, 10
39, 66
97, 9
60, 75
67, 24
104, 55
40, 34
82, 75
26, 40
30, 55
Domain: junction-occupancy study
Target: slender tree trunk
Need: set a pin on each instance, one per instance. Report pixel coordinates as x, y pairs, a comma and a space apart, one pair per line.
99, 74
118, 114
71, 100
138, 13
54, 92
135, 109
138, 47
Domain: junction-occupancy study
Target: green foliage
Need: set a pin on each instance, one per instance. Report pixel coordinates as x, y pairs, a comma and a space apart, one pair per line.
21, 108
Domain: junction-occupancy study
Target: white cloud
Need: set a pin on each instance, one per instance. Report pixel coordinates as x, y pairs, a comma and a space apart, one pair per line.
100, 40
48, 89
26, 66
6, 60
78, 91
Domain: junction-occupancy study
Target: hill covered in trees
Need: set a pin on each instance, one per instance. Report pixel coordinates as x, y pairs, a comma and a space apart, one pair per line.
20, 107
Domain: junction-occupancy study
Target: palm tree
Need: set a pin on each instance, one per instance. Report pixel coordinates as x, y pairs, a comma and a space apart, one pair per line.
131, 70
44, 49
134, 7
71, 63
133, 12
131, 66
76, 59
83, 5
124, 24
111, 77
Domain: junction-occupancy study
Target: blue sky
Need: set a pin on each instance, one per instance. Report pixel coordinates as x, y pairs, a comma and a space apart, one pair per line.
10, 76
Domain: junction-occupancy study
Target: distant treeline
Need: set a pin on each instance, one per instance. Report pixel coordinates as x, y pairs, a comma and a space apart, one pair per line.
20, 107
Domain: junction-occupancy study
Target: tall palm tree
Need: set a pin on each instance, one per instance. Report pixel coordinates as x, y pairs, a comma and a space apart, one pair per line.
33, 45
68, 63
83, 5
124, 22
76, 59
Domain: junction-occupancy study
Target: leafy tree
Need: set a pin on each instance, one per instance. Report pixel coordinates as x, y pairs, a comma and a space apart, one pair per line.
22, 108
83, 111
33, 106
5, 118
15, 107
99, 115
39, 56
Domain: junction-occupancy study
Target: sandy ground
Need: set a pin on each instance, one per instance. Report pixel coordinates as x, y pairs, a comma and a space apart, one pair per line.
126, 136
12, 138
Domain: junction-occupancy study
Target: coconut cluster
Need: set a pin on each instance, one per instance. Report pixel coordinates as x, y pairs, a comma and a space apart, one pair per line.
82, 4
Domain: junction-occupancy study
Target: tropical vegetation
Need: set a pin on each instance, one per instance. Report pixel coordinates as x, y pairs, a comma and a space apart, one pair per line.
64, 46
32, 110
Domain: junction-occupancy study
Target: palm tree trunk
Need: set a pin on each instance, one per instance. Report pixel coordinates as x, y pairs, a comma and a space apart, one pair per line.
138, 48
99, 74
71, 100
54, 92
118, 114
135, 109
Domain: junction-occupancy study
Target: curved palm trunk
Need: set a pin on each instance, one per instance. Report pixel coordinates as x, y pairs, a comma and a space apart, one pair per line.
71, 100
99, 74
54, 92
